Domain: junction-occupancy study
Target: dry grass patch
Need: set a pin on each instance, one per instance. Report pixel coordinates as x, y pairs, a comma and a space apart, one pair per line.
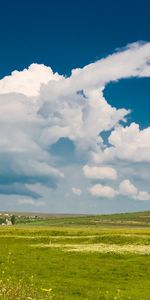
99, 247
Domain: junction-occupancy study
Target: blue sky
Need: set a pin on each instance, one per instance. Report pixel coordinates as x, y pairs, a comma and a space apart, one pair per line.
68, 34
75, 133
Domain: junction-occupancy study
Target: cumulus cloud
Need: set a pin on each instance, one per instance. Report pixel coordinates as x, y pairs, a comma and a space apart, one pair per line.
28, 81
105, 191
39, 107
129, 143
142, 195
127, 188
76, 191
104, 172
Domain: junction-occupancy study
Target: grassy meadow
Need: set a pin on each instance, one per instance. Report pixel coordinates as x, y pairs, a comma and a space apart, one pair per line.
76, 258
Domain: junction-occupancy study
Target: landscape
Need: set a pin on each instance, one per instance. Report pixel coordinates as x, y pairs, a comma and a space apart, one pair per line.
75, 150
71, 257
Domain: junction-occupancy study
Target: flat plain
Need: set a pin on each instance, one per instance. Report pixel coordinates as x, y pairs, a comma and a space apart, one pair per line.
76, 258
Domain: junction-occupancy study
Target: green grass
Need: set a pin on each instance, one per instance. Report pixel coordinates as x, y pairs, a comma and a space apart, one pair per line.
135, 219
29, 271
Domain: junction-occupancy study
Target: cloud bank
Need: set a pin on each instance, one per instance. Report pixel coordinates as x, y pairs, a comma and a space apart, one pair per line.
39, 107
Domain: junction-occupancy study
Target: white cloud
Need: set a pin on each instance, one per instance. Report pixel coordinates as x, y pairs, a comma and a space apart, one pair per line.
104, 172
129, 143
132, 61
100, 190
76, 191
143, 195
127, 188
28, 81
38, 107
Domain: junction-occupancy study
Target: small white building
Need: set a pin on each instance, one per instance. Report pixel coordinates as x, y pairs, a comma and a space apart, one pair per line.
8, 222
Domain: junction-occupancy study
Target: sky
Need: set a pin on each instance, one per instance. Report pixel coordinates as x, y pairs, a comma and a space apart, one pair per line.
75, 106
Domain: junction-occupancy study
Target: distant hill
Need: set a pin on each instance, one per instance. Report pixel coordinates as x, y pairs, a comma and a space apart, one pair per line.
134, 219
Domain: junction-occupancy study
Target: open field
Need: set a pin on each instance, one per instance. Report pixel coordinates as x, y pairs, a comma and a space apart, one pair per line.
75, 261
134, 219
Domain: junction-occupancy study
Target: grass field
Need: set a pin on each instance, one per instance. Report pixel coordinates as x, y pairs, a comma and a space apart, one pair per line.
73, 259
